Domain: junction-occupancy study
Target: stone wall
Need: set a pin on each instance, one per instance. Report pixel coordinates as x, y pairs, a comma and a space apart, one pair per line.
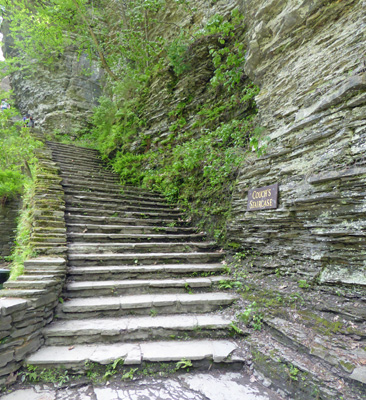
27, 304
60, 98
308, 58
8, 214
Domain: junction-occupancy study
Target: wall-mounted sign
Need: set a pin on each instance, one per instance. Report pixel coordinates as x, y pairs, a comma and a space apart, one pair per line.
263, 198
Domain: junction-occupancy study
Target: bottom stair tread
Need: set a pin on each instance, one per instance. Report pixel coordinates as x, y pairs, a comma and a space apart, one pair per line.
135, 353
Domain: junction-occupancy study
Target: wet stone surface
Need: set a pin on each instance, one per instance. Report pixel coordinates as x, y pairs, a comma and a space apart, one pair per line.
195, 386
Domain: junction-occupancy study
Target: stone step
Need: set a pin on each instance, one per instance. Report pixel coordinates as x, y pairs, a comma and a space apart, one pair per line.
119, 330
23, 293
141, 211
148, 247
127, 229
87, 198
115, 218
144, 304
130, 237
73, 154
34, 277
31, 284
77, 162
96, 196
69, 147
95, 177
161, 271
100, 259
93, 188
71, 157
212, 351
139, 286
85, 172
123, 213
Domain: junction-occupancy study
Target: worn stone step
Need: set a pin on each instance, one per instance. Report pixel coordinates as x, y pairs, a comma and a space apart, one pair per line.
111, 186
87, 172
82, 162
159, 271
23, 293
94, 177
116, 218
177, 218
119, 330
130, 237
70, 147
87, 198
127, 229
147, 247
33, 277
100, 259
61, 156
140, 211
50, 250
96, 196
52, 262
212, 351
140, 286
144, 304
55, 239
112, 189
31, 284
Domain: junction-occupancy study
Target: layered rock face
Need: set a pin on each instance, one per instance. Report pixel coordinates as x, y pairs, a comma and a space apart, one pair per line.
308, 58
61, 97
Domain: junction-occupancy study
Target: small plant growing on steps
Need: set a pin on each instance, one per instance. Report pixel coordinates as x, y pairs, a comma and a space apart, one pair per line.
129, 374
184, 364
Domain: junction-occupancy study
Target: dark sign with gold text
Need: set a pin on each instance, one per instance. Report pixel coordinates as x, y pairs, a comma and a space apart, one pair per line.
263, 198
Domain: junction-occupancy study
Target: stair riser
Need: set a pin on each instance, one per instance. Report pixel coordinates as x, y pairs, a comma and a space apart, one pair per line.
133, 290
88, 198
114, 275
129, 239
203, 307
87, 171
140, 211
123, 230
129, 217
119, 220
90, 262
75, 162
95, 177
140, 334
112, 191
139, 248
114, 186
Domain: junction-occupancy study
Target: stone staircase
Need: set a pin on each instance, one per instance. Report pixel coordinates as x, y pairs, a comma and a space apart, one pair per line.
142, 283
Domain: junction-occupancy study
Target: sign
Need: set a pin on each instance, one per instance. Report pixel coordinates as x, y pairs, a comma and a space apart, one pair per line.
263, 198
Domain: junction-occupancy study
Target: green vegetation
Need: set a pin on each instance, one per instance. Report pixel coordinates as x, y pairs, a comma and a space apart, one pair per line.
17, 153
23, 250
195, 160
17, 169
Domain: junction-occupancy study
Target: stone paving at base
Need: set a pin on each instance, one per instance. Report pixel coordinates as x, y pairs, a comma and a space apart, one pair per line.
199, 386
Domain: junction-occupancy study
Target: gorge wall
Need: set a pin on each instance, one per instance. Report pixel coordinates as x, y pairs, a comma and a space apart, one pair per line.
308, 58
60, 98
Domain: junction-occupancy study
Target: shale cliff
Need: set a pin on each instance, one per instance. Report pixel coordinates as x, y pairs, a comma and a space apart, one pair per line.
59, 97
309, 60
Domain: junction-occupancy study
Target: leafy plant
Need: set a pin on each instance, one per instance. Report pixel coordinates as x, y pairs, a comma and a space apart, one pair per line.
303, 284
129, 374
184, 364
234, 329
